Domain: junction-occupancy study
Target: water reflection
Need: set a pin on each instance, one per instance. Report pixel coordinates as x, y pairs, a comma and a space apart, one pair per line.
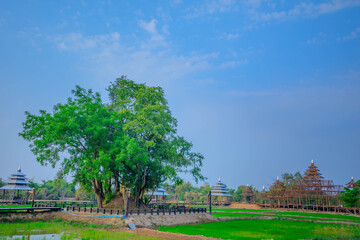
54, 236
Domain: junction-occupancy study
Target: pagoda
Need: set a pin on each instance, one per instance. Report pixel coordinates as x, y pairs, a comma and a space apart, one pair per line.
352, 184
248, 194
17, 182
221, 194
312, 173
277, 191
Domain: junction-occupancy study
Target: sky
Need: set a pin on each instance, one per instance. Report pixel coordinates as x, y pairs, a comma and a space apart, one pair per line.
260, 87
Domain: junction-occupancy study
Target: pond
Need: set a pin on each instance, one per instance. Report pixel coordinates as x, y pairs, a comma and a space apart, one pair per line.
34, 236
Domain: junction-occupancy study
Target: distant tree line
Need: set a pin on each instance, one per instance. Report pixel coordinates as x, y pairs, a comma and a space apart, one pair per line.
60, 190
2, 183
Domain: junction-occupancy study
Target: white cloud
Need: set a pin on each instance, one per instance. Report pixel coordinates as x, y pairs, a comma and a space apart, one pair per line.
212, 7
320, 36
148, 26
107, 56
305, 10
76, 41
230, 36
352, 35
232, 64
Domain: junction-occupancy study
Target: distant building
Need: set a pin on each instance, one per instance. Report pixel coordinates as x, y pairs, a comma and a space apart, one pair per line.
220, 194
17, 182
248, 194
157, 195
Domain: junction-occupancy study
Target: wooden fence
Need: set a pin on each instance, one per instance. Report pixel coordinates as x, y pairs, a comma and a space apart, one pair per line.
170, 211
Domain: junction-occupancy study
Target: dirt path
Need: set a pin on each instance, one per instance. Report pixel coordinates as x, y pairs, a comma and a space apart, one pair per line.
168, 235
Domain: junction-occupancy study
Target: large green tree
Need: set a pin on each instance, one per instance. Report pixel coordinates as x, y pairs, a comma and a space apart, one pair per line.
131, 142
155, 153
77, 134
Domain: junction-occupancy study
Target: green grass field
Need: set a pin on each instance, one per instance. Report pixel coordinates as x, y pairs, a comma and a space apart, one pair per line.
268, 229
274, 229
69, 230
15, 206
317, 217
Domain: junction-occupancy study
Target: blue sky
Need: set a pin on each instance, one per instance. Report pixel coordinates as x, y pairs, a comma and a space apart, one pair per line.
260, 87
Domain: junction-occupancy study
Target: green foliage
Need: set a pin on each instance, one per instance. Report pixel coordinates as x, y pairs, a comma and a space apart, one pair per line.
84, 194
185, 191
2, 183
290, 179
153, 152
53, 189
108, 197
132, 142
351, 197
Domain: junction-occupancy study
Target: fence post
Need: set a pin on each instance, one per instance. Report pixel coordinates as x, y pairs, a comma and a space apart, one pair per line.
210, 202
110, 211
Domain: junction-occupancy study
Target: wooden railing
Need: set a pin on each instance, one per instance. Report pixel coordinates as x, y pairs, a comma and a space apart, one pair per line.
170, 211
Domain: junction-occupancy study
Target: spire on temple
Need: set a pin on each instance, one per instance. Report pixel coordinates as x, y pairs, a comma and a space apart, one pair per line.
312, 173
352, 184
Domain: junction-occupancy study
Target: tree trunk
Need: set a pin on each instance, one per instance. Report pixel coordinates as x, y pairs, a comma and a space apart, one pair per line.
98, 192
99, 200
126, 200
117, 183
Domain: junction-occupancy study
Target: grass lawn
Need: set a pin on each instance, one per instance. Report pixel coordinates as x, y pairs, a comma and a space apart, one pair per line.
268, 229
297, 215
70, 230
15, 206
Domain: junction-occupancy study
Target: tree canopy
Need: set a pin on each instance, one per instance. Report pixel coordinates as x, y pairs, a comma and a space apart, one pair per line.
351, 196
131, 142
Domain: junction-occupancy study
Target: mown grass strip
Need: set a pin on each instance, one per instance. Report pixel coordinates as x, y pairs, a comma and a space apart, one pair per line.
15, 206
